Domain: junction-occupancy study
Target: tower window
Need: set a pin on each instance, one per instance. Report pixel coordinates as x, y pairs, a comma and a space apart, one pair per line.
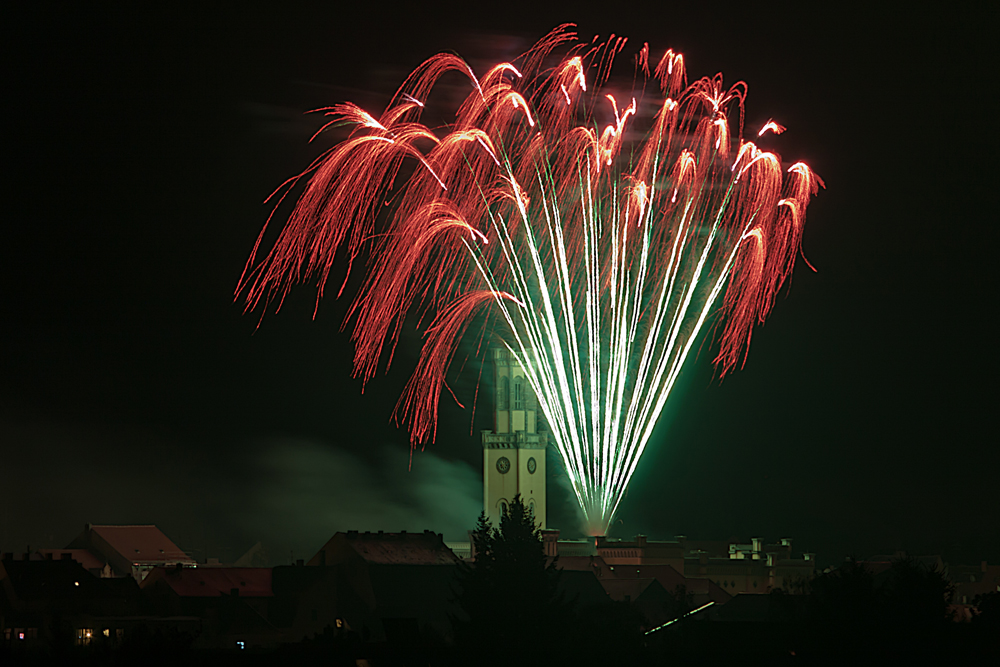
519, 393
503, 396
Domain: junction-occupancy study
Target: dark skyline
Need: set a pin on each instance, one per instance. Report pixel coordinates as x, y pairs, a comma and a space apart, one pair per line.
133, 389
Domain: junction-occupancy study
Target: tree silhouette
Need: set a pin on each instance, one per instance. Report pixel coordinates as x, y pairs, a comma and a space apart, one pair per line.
510, 595
845, 596
915, 595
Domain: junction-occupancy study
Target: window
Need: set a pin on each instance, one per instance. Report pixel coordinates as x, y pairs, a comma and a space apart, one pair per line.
83, 636
519, 393
503, 396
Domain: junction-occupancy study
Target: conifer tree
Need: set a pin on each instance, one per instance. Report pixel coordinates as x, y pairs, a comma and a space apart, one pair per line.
510, 594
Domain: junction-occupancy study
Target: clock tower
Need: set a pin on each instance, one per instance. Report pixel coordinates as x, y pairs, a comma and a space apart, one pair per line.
514, 452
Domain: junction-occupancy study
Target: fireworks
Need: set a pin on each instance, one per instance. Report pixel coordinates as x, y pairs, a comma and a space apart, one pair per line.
595, 255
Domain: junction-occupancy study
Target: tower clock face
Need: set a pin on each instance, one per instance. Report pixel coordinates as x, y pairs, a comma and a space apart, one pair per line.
503, 465
532, 466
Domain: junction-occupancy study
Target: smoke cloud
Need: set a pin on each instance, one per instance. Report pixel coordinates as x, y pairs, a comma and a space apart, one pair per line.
311, 490
289, 494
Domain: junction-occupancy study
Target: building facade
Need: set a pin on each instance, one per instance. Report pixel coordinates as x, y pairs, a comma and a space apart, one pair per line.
514, 452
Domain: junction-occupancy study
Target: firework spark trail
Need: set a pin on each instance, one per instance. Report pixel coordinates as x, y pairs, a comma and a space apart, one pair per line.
597, 259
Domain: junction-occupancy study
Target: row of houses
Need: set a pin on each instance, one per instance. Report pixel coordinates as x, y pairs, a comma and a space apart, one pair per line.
386, 587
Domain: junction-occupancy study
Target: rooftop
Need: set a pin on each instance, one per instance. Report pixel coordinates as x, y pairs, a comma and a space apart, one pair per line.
142, 544
401, 548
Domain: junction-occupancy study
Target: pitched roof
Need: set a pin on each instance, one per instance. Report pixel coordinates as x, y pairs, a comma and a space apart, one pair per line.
142, 544
213, 581
380, 548
667, 575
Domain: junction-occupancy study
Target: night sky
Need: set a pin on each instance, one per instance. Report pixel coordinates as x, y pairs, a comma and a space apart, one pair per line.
139, 150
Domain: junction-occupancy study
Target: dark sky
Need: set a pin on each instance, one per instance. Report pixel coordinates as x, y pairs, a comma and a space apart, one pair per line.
139, 150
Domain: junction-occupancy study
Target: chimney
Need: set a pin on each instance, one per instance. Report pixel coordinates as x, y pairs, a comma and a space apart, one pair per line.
756, 543
550, 538
808, 556
640, 540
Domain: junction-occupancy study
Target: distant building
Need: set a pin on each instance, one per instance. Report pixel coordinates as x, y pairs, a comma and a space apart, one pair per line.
233, 603
973, 580
514, 452
41, 599
387, 586
131, 551
755, 567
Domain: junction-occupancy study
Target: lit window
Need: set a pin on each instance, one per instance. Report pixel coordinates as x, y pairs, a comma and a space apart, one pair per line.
107, 632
